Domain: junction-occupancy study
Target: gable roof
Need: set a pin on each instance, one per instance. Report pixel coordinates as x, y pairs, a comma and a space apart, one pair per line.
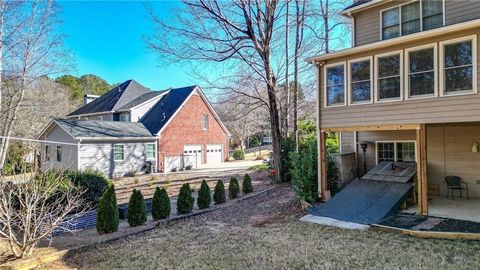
165, 108
141, 99
114, 99
103, 129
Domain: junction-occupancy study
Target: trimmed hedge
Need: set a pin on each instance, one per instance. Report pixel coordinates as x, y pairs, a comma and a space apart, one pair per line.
247, 184
137, 214
185, 200
160, 204
93, 182
107, 211
233, 188
219, 193
204, 196
238, 154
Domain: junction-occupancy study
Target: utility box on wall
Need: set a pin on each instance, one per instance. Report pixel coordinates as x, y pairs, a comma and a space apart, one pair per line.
347, 166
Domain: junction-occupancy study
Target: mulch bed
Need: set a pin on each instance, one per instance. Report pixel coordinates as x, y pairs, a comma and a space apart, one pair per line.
433, 224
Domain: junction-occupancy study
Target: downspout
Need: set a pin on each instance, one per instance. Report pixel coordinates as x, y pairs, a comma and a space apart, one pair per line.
78, 154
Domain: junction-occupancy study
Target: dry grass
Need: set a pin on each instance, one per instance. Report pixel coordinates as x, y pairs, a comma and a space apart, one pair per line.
264, 233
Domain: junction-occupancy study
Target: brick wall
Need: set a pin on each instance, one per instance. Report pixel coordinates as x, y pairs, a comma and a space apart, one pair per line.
186, 128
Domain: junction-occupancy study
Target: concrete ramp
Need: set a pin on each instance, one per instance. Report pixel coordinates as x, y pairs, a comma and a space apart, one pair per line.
368, 201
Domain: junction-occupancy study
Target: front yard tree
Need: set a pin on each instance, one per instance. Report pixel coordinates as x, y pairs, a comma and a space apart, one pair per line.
185, 200
219, 193
160, 204
238, 33
204, 196
107, 211
137, 214
34, 207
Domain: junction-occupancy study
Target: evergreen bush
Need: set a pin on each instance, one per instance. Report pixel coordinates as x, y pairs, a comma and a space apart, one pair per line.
233, 188
219, 193
247, 184
137, 214
107, 211
204, 196
185, 200
304, 172
239, 154
160, 204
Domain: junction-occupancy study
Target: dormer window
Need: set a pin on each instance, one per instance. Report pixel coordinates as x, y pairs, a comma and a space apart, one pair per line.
411, 18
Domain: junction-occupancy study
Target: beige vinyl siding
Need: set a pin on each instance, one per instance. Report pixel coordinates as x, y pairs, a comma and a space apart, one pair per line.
368, 22
447, 109
347, 139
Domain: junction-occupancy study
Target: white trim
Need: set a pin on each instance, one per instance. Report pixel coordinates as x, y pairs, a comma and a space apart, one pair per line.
349, 86
146, 101
123, 152
376, 95
116, 138
204, 117
344, 64
347, 12
395, 41
473, 39
89, 114
395, 148
407, 71
354, 42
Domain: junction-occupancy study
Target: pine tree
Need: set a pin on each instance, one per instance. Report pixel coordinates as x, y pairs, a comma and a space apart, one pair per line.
160, 204
219, 193
137, 214
185, 200
247, 184
204, 196
233, 188
107, 211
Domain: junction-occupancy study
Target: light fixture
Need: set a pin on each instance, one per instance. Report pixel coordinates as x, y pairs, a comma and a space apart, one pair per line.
475, 147
364, 145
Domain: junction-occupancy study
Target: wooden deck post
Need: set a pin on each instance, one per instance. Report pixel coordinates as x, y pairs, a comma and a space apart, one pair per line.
421, 139
322, 185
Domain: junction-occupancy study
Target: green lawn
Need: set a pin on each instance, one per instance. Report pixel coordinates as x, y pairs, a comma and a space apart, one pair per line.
264, 233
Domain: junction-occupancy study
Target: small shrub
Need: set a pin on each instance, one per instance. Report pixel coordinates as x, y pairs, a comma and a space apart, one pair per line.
204, 197
185, 200
160, 204
247, 184
93, 182
333, 176
107, 211
219, 193
233, 188
304, 172
137, 214
239, 154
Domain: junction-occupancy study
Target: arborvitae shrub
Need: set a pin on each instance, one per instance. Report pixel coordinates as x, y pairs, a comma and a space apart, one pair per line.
247, 184
137, 214
219, 193
233, 188
160, 204
185, 200
107, 211
204, 197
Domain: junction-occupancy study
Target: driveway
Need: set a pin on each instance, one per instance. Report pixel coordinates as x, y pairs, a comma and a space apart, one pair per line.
219, 169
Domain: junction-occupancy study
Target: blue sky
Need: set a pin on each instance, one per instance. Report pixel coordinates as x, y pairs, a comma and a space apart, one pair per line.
106, 39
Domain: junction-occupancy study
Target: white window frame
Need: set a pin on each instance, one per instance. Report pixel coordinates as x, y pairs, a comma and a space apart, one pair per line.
400, 17
473, 39
435, 71
345, 82
124, 115
205, 121
154, 151
395, 148
376, 94
123, 151
349, 87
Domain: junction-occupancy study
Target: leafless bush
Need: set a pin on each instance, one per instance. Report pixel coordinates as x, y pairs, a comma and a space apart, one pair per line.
34, 207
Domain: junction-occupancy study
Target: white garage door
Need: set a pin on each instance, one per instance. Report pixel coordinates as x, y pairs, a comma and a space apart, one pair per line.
214, 153
193, 151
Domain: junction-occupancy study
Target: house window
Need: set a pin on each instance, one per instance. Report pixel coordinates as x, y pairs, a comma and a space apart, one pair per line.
100, 118
205, 121
458, 68
123, 118
335, 84
59, 153
389, 73
360, 88
118, 152
47, 152
403, 151
150, 151
421, 71
411, 18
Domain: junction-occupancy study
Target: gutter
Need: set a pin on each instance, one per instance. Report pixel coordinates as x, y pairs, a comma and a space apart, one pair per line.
394, 41
115, 138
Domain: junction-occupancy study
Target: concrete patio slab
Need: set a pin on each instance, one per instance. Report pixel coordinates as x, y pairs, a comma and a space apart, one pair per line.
334, 222
460, 208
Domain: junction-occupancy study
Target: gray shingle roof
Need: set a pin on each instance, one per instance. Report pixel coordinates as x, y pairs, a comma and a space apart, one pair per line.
94, 128
141, 99
357, 3
165, 108
114, 99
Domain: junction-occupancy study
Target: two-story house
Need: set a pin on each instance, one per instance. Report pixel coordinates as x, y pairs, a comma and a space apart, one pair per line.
132, 128
407, 91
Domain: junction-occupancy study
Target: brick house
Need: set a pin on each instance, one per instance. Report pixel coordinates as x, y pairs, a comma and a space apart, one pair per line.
166, 130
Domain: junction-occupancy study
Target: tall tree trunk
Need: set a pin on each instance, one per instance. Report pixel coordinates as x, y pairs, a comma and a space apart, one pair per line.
287, 84
300, 14
326, 27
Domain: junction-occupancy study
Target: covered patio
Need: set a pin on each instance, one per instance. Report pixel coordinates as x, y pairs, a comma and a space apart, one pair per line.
460, 208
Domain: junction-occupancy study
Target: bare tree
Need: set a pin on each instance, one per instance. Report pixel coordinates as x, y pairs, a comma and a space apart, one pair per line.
287, 64
300, 8
34, 207
35, 51
221, 31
